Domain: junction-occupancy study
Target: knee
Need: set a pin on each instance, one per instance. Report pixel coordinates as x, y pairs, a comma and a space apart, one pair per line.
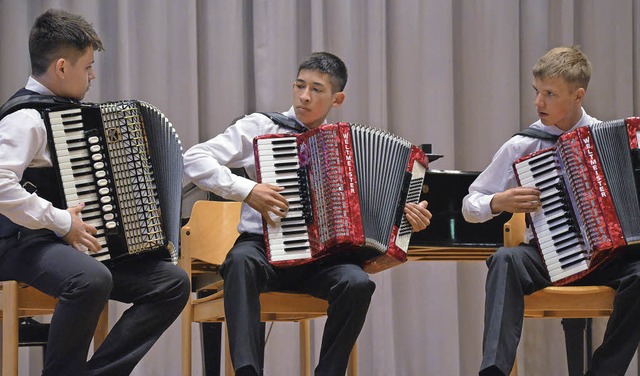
93, 283
181, 286
503, 256
356, 285
240, 259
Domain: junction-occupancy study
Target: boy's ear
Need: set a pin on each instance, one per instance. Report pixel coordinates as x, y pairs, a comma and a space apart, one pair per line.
59, 67
580, 92
338, 99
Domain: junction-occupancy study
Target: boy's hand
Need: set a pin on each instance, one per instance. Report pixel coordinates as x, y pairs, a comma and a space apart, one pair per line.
516, 200
267, 201
418, 215
81, 234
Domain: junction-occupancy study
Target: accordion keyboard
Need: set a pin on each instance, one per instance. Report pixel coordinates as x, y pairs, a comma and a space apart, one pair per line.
82, 172
289, 239
556, 231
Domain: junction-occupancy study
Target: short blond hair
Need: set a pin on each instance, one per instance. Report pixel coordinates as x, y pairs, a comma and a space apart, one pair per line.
567, 63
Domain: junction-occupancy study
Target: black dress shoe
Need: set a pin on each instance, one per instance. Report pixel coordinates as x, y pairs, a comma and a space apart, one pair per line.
491, 371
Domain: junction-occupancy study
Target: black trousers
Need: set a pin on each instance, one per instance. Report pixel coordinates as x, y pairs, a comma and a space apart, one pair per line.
157, 290
518, 271
247, 272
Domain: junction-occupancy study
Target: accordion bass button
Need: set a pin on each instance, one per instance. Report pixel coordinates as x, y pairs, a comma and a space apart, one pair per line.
107, 208
103, 191
98, 165
110, 225
102, 182
109, 217
96, 157
100, 174
105, 199
93, 140
95, 148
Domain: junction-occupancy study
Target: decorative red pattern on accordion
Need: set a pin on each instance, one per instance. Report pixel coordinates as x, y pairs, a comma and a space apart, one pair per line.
581, 144
341, 175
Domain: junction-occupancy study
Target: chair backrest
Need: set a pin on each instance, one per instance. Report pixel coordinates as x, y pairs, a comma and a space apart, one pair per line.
213, 226
514, 230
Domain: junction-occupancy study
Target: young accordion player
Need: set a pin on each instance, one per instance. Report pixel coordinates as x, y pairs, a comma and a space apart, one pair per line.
347, 185
589, 193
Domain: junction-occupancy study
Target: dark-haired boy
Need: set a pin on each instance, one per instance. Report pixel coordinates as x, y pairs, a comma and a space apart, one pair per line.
246, 271
40, 244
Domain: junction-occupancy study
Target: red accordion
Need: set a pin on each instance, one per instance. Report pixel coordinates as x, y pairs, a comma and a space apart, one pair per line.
590, 205
347, 186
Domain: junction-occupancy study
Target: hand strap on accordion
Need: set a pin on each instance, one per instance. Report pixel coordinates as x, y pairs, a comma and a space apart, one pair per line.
285, 121
35, 101
536, 133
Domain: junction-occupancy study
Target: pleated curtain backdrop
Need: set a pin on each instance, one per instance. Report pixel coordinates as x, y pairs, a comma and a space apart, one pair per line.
453, 73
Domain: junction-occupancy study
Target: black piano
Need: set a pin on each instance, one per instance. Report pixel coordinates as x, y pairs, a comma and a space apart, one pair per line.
449, 236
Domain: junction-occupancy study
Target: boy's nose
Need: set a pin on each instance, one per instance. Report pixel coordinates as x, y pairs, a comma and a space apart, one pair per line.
538, 101
304, 96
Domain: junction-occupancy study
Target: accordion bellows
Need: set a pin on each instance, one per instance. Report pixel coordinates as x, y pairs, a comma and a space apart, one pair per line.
347, 186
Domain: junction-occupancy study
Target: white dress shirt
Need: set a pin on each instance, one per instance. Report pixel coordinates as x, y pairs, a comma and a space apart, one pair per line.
208, 164
499, 175
23, 143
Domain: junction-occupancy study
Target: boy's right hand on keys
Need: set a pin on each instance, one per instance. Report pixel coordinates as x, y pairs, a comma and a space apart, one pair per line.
516, 200
81, 234
268, 202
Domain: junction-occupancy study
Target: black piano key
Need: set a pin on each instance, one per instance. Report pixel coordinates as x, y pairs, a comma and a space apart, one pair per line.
564, 241
540, 164
294, 241
285, 171
285, 164
285, 155
567, 246
284, 149
559, 235
577, 261
277, 141
295, 232
544, 171
298, 248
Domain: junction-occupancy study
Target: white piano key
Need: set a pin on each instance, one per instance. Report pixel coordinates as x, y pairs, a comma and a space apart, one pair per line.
570, 271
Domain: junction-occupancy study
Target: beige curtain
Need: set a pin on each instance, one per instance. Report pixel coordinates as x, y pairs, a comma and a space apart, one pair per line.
456, 74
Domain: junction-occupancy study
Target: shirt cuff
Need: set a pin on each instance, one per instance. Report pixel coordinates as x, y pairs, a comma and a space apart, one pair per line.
62, 223
485, 207
241, 189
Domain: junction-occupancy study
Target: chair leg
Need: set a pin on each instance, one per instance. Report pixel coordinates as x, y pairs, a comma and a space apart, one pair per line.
102, 329
305, 348
228, 366
574, 342
185, 322
352, 368
514, 371
10, 328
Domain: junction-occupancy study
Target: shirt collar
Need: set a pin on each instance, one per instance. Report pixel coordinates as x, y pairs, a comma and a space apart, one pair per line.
292, 114
34, 85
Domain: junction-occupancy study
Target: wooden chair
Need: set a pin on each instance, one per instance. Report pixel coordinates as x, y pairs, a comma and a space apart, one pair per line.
207, 238
566, 302
19, 300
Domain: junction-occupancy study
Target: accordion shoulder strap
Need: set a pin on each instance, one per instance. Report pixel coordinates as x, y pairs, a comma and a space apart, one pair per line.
35, 101
536, 133
285, 121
